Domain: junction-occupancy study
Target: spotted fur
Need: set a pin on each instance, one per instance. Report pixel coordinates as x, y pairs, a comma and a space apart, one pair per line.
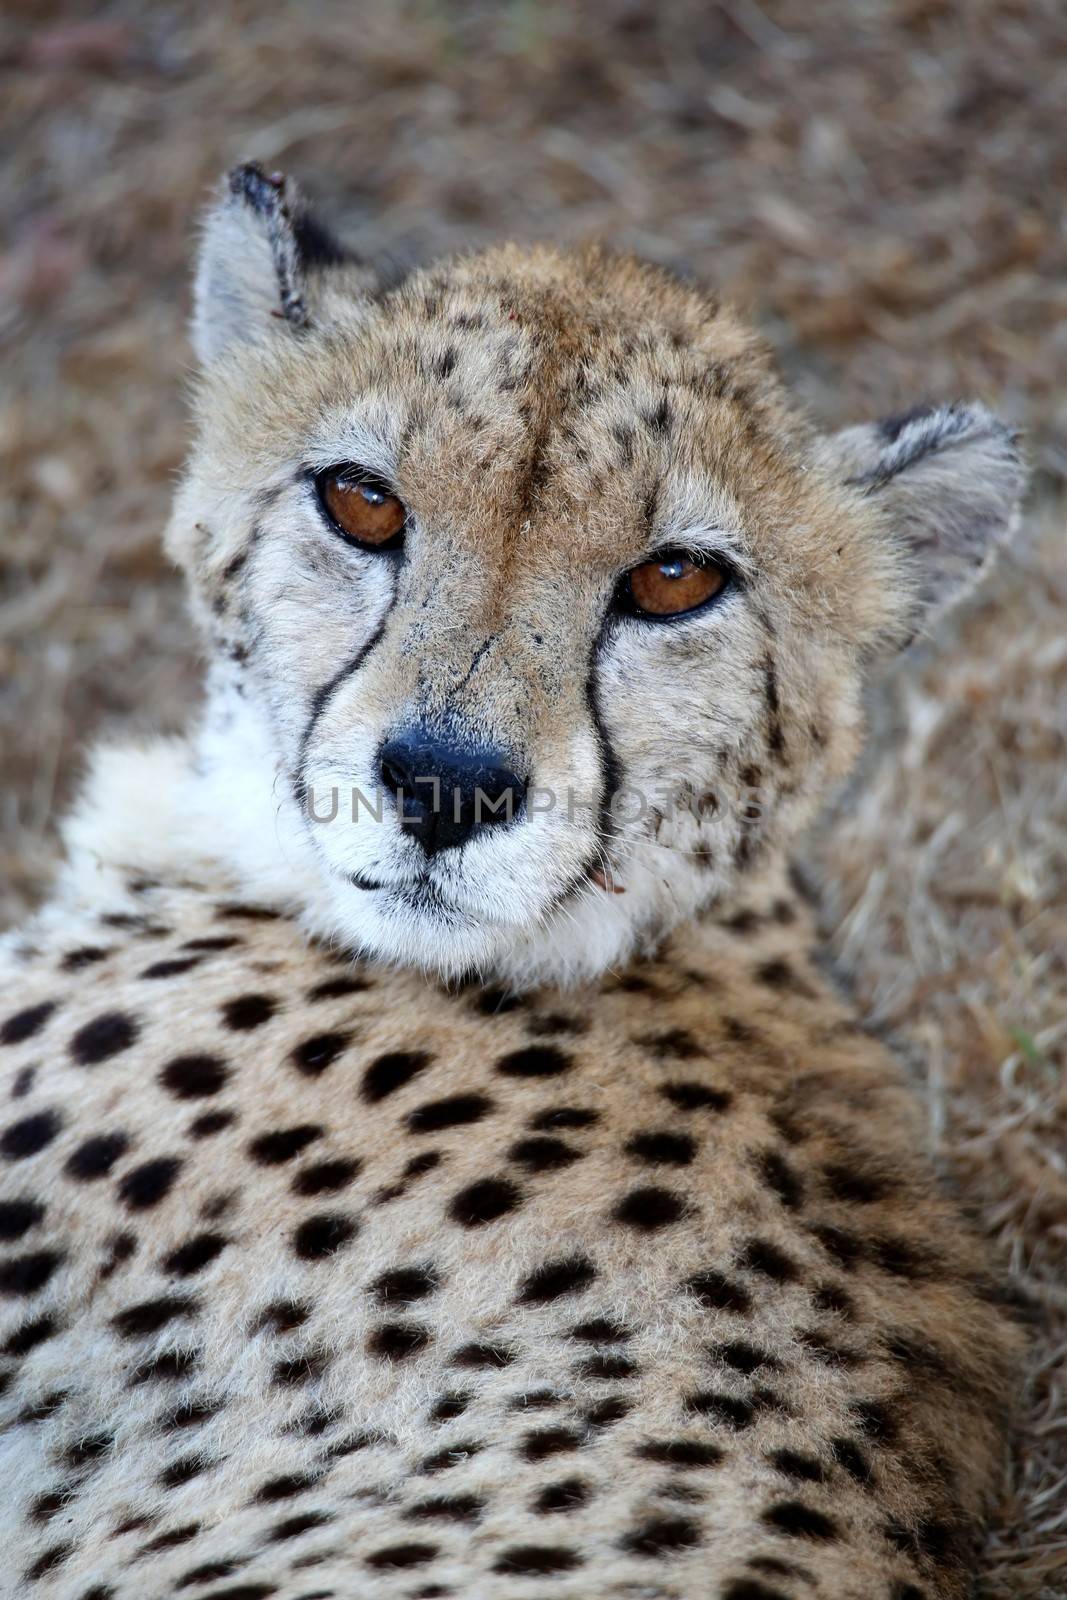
521, 1238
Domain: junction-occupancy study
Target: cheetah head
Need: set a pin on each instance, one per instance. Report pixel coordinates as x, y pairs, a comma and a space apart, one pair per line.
538, 612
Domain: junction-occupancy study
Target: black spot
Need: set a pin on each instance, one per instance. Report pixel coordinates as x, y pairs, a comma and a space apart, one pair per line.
482, 1355
271, 1149
681, 1453
45, 1506
122, 1247
395, 1341
30, 1335
172, 968
208, 1572
554, 1022
662, 1149
96, 1157
454, 1112
213, 942
648, 1209
163, 1541
245, 913
848, 1455
844, 1248
728, 1409
535, 1061
825, 1350
282, 1316
23, 1082
85, 956
326, 1177
484, 1202
190, 1414
800, 1521
307, 1364
43, 1408
390, 1072
18, 1217
248, 1011
674, 1042
543, 1154
658, 1536
21, 1275
903, 1258
751, 1589
337, 988
606, 1366
405, 1284
401, 1555
169, 1367
146, 1185
183, 1471
210, 1123
807, 1469
449, 1406
567, 1495
291, 1528
105, 1036
780, 975
149, 1316
544, 1442
831, 1297
441, 1460
286, 1487
323, 1235
535, 1560
855, 1187
563, 1117
781, 1178
25, 1138
447, 1508
47, 1562
24, 1024
744, 1357
494, 1002
695, 1097
314, 1055
717, 1293
569, 1276
600, 1331
194, 1077
875, 1420
759, 1255
195, 1254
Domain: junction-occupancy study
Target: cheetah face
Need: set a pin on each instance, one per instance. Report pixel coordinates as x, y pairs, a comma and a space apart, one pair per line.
550, 609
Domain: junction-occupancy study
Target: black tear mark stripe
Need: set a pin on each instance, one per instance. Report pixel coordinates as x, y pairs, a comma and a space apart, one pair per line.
610, 765
322, 697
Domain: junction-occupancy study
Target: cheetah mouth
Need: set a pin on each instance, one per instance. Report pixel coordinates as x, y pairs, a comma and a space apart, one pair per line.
420, 895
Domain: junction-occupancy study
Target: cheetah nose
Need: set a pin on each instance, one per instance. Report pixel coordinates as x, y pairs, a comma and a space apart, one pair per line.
445, 791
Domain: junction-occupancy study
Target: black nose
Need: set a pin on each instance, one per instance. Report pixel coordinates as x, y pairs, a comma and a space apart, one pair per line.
446, 791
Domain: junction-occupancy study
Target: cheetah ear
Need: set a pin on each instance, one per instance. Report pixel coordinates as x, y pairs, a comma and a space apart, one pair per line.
949, 480
261, 257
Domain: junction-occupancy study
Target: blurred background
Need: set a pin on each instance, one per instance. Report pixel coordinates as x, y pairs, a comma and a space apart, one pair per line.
881, 183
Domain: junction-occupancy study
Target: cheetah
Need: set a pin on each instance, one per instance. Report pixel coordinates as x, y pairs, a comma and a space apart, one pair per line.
437, 1161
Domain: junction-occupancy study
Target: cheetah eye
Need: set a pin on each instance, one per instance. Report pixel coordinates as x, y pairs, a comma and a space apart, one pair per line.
362, 508
674, 584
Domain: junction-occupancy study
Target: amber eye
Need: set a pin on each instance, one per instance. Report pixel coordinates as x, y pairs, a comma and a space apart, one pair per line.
673, 584
362, 508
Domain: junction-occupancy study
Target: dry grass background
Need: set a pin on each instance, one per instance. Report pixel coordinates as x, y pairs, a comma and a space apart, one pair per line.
881, 182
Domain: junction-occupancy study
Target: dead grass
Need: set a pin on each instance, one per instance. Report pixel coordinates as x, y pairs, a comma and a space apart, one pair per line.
880, 181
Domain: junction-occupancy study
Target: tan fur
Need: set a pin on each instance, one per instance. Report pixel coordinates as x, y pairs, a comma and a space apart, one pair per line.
676, 1307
